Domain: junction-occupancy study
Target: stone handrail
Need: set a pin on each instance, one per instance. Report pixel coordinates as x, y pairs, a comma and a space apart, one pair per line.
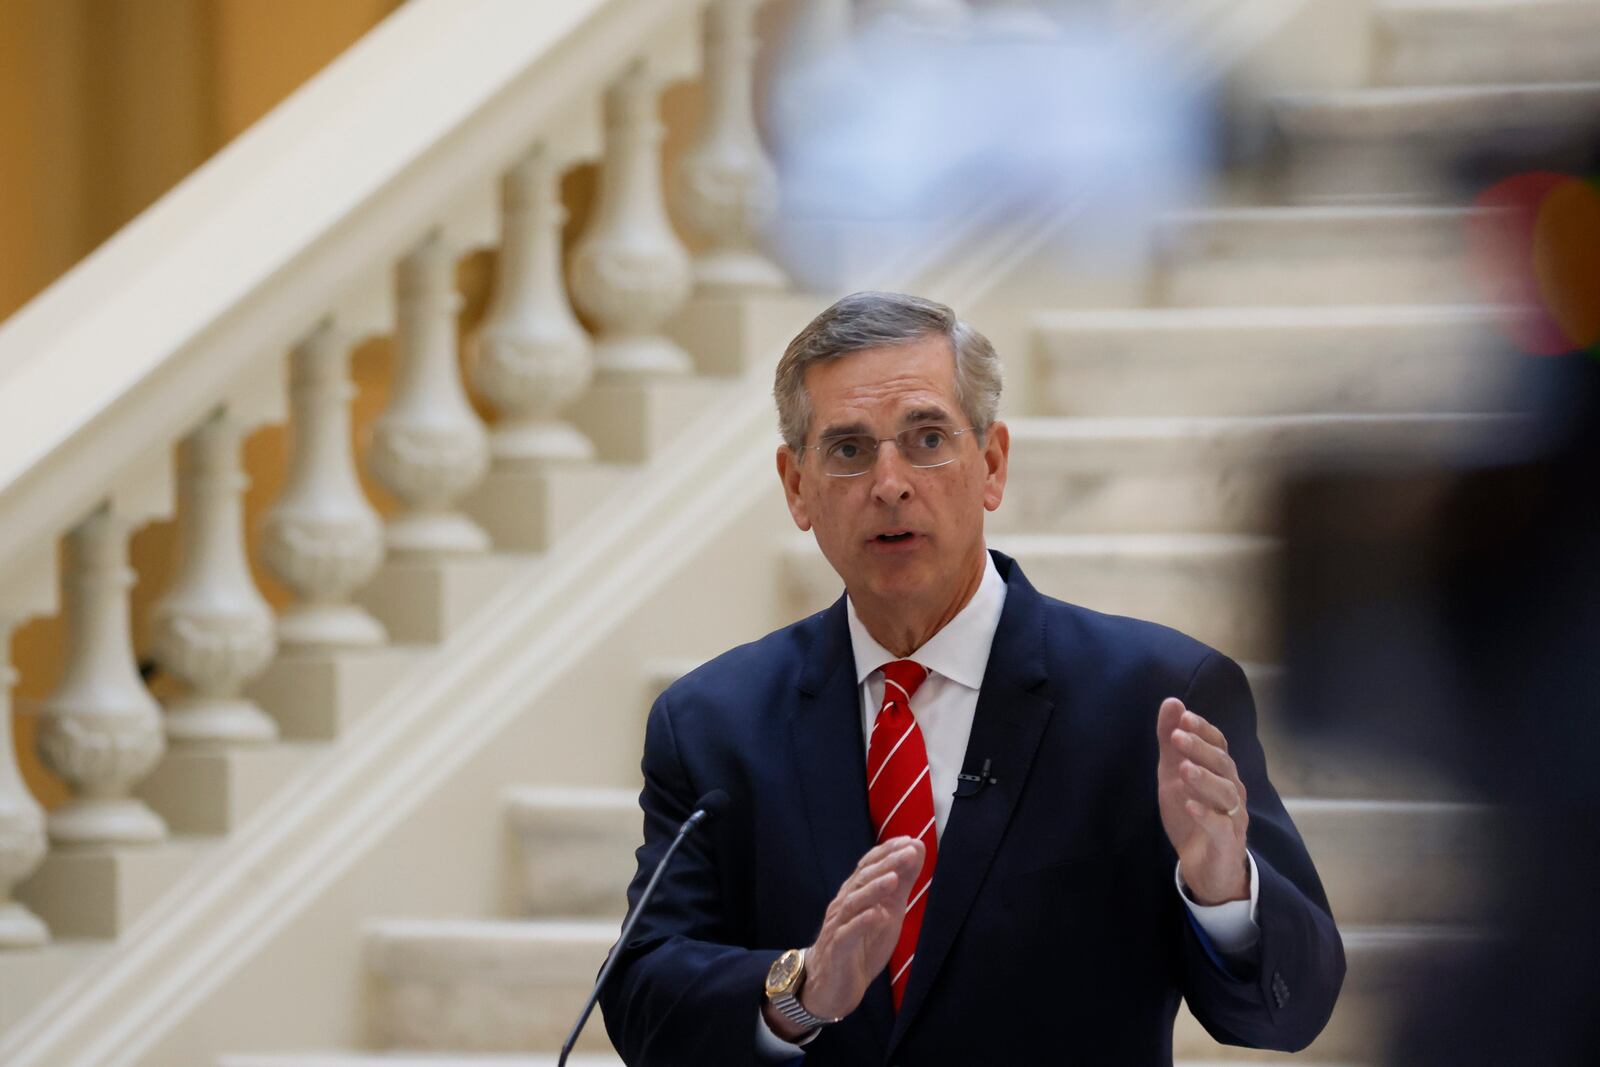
174, 333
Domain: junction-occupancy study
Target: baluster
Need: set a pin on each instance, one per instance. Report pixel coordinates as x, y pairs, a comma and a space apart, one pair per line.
100, 730
730, 189
22, 837
322, 538
630, 273
429, 447
213, 629
533, 358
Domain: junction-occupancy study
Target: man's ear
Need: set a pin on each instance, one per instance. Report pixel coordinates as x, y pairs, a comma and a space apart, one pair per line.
996, 455
789, 475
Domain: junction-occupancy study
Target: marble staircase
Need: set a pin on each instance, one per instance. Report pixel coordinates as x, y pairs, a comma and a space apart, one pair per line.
1335, 315
1340, 323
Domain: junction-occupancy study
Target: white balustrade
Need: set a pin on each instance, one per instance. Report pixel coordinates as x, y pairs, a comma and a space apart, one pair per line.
322, 538
729, 189
100, 730
213, 629
22, 836
533, 358
630, 273
429, 448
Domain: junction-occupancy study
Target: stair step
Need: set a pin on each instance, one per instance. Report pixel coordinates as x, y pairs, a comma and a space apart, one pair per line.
484, 986
1271, 361
1448, 42
1383, 966
574, 849
1401, 143
1200, 475
1381, 861
1262, 256
1298, 769
487, 986
1218, 588
411, 1059
1399, 861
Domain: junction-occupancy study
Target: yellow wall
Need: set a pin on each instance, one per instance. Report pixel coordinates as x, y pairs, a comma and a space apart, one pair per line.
104, 106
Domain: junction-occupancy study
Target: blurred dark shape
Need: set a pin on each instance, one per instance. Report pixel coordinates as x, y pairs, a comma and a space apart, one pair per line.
1451, 615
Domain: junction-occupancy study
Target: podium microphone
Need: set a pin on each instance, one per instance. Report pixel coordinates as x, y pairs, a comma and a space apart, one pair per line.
707, 807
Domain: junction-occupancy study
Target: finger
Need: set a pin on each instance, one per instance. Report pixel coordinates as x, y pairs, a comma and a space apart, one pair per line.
1167, 720
871, 924
1195, 724
1208, 788
1197, 750
906, 859
874, 893
877, 852
1217, 826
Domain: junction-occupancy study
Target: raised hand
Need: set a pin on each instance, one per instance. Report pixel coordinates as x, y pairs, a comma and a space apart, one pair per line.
1202, 805
859, 931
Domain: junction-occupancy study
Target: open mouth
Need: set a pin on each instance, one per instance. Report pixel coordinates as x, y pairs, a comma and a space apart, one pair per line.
892, 538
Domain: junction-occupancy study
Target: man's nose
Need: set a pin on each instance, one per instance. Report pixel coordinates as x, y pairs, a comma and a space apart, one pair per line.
891, 474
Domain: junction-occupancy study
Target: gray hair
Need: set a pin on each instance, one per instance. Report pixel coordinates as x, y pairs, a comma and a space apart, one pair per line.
874, 320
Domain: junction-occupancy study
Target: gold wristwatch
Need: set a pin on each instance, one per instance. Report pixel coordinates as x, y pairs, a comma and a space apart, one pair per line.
784, 981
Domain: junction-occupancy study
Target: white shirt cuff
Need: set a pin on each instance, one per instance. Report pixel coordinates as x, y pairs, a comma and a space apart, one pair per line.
1231, 926
769, 1046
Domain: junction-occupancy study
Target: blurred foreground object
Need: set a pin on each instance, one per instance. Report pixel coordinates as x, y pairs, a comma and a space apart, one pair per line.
1453, 615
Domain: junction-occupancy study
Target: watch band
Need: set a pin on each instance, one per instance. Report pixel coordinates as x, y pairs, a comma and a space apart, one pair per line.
788, 1005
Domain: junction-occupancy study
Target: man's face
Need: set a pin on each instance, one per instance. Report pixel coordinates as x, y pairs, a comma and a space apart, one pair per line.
896, 531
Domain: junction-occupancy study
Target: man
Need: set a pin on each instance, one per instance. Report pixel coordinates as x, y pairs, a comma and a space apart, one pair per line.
970, 824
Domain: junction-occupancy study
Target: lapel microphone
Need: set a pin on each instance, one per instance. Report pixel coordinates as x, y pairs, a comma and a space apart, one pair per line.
970, 785
707, 807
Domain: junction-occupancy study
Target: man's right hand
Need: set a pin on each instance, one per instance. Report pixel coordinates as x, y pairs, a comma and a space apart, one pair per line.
858, 933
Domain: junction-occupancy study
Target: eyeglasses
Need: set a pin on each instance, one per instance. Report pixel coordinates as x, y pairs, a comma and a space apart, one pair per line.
850, 455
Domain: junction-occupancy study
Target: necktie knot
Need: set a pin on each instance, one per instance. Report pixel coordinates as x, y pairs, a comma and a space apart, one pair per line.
906, 675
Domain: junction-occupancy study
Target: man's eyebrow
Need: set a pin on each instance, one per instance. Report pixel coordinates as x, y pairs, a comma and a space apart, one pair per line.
921, 415
914, 417
849, 429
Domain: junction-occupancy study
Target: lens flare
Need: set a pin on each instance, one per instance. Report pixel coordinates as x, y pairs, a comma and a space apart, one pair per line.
1535, 245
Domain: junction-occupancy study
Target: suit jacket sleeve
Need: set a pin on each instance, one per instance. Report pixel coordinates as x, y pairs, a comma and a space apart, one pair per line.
1286, 998
684, 991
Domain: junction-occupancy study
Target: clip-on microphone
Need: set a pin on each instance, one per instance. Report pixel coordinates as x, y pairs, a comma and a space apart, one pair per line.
970, 785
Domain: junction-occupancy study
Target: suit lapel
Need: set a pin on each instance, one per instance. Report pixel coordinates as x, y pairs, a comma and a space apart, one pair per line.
831, 768
1007, 727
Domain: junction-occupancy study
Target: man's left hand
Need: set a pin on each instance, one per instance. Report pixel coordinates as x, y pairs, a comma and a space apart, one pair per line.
1202, 805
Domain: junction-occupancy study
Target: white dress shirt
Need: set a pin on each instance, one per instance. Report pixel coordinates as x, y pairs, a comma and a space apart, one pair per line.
944, 706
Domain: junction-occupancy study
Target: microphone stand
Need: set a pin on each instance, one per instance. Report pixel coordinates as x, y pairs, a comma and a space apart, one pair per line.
701, 814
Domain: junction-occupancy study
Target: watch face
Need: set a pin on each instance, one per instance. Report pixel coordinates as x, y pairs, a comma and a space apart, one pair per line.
785, 970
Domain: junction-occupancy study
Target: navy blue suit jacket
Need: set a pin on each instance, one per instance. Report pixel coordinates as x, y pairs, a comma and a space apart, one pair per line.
1053, 932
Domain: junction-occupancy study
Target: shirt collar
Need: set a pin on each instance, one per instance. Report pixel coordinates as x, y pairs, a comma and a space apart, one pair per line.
959, 651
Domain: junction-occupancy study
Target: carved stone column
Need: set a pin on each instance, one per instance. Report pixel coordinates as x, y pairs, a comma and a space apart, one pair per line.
101, 729
429, 447
322, 538
213, 629
630, 273
533, 358
729, 189
22, 837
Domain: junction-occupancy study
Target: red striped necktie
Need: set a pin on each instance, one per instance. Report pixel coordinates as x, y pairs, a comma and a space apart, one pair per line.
900, 796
